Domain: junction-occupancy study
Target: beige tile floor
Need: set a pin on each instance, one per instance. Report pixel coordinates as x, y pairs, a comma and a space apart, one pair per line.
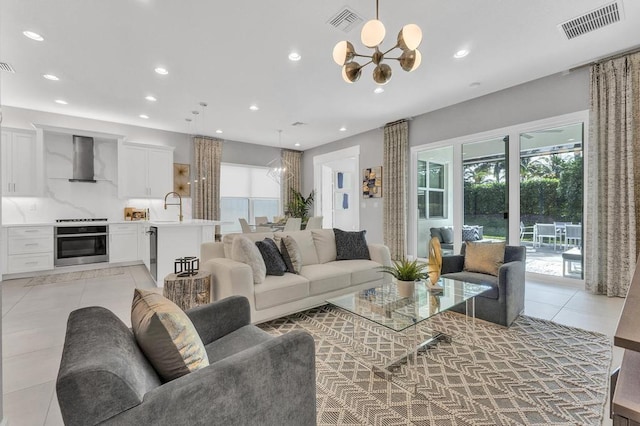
34, 320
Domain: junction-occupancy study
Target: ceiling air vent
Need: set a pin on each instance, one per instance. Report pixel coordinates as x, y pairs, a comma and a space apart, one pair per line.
345, 19
298, 123
603, 16
6, 67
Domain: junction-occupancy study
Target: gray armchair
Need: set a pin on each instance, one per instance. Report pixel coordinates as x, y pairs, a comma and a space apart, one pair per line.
253, 378
505, 301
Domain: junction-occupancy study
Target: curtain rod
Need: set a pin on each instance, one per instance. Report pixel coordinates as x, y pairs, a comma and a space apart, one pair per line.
617, 55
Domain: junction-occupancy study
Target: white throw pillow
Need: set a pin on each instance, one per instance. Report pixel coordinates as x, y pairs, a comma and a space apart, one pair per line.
244, 250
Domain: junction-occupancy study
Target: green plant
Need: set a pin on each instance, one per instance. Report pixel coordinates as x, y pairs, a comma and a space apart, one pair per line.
299, 206
405, 270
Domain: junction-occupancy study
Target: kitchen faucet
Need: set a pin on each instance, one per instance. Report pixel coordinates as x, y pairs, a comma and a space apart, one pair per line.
173, 204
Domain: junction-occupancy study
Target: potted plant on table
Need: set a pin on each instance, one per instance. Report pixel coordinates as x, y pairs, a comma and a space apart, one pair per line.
406, 274
299, 206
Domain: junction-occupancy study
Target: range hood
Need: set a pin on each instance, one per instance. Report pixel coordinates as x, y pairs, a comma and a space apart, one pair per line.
82, 159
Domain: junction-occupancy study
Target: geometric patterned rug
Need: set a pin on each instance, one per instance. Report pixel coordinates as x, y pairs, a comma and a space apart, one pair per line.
535, 372
74, 276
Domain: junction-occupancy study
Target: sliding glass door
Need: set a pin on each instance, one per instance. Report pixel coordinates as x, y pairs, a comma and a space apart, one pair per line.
486, 190
551, 200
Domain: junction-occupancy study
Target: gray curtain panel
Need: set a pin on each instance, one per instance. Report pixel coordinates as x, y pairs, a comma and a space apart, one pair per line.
394, 187
206, 193
613, 183
292, 161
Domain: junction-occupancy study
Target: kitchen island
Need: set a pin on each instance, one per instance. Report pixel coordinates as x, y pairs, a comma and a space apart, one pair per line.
165, 241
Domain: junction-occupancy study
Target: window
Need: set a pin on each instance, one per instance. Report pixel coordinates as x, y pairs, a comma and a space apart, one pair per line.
431, 190
246, 192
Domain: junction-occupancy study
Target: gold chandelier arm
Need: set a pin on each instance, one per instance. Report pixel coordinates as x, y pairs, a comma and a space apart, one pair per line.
385, 53
363, 56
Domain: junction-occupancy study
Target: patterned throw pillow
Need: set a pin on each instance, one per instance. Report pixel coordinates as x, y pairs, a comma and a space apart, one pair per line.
486, 258
245, 251
351, 245
272, 258
468, 233
166, 335
291, 254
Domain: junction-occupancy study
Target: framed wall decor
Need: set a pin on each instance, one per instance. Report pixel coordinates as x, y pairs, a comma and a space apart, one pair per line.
181, 176
372, 182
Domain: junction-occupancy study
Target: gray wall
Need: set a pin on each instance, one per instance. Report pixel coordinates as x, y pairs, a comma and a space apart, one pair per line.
543, 98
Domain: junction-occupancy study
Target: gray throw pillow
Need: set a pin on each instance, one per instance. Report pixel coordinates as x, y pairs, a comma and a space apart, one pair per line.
351, 245
272, 258
291, 254
447, 235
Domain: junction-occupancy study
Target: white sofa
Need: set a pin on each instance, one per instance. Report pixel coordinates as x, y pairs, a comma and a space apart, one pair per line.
321, 277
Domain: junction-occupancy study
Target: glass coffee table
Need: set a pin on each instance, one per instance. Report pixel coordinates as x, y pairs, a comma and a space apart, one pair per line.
383, 306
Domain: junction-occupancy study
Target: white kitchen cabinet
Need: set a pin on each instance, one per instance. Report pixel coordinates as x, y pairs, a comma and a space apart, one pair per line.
29, 248
123, 242
22, 164
144, 171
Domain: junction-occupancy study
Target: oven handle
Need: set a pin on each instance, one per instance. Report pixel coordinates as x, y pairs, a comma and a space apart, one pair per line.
97, 234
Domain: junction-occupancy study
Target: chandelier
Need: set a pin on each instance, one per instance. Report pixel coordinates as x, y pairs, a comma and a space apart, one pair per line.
372, 35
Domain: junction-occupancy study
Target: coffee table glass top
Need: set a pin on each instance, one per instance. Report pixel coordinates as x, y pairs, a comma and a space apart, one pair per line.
384, 306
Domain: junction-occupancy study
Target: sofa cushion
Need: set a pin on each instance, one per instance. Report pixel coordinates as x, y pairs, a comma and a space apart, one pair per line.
436, 233
477, 278
351, 245
244, 250
227, 240
325, 241
324, 278
361, 270
485, 258
304, 239
272, 257
291, 254
276, 291
166, 335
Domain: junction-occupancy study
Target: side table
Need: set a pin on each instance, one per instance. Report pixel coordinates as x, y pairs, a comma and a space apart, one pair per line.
188, 292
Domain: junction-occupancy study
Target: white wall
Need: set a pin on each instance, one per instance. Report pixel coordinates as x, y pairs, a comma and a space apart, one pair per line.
64, 199
546, 97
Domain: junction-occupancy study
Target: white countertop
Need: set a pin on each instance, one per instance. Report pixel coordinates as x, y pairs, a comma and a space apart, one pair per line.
163, 223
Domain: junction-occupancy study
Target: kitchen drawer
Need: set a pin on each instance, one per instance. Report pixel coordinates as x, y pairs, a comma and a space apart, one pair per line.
29, 262
123, 228
30, 231
30, 245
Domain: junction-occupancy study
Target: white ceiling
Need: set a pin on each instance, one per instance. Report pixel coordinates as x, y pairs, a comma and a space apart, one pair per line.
232, 54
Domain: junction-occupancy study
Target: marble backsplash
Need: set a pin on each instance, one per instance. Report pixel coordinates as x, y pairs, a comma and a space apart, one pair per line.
64, 199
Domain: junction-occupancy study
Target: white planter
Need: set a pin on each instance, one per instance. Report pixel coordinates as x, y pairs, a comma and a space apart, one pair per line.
405, 288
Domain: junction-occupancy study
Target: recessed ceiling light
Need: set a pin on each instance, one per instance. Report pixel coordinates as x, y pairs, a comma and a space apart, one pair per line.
475, 84
461, 53
294, 56
343, 129
33, 36
145, 116
218, 131
161, 71
150, 98
297, 144
61, 102
254, 107
51, 77
378, 90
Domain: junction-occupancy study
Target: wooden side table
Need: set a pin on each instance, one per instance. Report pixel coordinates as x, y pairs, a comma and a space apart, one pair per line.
188, 292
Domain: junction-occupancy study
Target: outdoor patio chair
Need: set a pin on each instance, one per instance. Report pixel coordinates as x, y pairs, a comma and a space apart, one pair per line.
527, 230
573, 233
546, 230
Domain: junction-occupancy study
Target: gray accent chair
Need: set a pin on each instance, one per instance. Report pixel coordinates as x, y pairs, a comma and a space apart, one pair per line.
505, 301
253, 378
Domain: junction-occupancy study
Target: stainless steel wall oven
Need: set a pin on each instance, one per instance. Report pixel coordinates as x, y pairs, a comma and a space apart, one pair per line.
81, 244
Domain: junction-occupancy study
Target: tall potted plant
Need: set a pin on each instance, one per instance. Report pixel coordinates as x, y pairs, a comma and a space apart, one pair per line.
406, 274
299, 206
